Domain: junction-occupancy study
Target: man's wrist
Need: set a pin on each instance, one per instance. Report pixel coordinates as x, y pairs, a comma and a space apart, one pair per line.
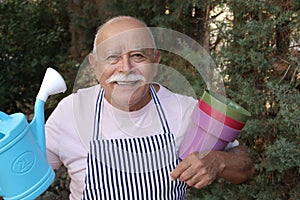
222, 162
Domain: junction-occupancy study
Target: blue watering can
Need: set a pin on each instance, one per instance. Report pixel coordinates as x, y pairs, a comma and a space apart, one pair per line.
24, 170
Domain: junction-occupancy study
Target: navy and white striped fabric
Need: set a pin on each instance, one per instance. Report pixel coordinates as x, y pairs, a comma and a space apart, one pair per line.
133, 168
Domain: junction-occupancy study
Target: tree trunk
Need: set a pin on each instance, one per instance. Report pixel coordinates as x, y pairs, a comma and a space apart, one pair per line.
202, 29
86, 17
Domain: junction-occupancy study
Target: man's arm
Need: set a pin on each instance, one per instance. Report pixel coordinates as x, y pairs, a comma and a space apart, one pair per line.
234, 165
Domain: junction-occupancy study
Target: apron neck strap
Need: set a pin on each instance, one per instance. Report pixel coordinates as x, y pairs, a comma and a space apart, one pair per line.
160, 111
98, 114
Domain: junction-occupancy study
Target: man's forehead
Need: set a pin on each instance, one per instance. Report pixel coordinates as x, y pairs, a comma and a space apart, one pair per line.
137, 38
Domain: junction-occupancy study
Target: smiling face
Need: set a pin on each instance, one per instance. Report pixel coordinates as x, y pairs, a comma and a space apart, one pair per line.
125, 62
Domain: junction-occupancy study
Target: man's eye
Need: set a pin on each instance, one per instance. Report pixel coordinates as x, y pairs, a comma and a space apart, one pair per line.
138, 57
112, 58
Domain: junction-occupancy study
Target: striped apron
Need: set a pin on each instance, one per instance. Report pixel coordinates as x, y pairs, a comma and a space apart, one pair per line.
132, 168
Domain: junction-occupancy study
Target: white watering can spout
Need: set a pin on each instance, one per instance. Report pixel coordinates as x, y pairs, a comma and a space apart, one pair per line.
53, 83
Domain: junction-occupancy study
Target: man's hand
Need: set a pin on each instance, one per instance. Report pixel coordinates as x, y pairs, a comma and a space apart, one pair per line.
199, 170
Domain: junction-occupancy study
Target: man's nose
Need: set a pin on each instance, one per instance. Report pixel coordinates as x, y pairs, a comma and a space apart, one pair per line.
126, 64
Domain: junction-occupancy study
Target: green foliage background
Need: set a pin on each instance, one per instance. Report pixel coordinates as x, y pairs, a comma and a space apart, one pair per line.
33, 36
257, 52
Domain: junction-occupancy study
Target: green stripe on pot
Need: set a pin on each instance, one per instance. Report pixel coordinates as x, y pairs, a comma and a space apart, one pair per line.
226, 106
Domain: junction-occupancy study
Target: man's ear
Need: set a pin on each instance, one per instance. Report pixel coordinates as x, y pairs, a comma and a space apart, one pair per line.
93, 60
156, 62
157, 57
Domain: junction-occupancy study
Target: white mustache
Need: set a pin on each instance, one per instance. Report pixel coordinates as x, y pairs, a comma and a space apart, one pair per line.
125, 78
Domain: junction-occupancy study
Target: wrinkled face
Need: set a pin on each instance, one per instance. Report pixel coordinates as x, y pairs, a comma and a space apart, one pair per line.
125, 63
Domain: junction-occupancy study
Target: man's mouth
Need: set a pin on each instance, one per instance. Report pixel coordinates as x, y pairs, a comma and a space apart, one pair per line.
128, 85
126, 82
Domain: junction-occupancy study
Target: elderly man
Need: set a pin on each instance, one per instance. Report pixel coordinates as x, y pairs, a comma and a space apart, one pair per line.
120, 139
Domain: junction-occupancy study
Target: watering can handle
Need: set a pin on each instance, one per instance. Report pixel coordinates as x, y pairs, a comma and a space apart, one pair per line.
3, 116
